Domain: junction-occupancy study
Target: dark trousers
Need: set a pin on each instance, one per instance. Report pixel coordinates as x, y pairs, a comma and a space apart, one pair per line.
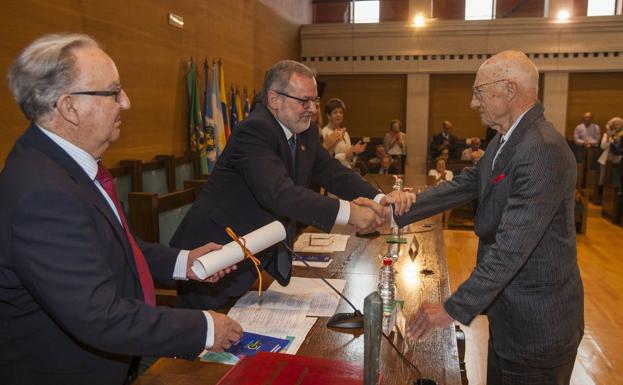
504, 372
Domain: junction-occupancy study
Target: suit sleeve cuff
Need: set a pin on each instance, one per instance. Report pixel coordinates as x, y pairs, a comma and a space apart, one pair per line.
343, 213
210, 331
457, 313
179, 272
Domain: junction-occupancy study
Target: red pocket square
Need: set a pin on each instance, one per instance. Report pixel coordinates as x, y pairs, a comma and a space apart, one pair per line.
498, 178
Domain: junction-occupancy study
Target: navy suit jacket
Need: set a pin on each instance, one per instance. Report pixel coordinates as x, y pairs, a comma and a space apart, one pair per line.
254, 183
71, 308
526, 278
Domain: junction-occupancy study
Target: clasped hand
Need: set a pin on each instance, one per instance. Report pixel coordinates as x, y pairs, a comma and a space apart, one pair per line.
198, 252
366, 215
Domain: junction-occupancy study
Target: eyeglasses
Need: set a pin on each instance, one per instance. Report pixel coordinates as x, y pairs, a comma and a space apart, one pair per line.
478, 89
114, 93
306, 103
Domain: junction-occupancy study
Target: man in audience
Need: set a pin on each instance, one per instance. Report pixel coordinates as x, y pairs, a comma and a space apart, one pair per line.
473, 153
77, 302
587, 133
379, 154
526, 277
387, 166
445, 139
264, 174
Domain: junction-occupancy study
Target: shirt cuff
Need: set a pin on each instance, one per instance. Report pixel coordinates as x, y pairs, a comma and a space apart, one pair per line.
378, 198
179, 272
343, 214
210, 332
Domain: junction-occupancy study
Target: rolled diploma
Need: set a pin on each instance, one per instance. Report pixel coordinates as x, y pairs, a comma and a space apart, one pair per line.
232, 253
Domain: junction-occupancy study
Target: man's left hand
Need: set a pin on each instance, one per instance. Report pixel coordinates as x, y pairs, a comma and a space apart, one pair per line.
402, 201
428, 318
198, 252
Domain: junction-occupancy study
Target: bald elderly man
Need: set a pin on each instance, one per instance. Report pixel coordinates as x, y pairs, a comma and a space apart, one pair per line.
526, 278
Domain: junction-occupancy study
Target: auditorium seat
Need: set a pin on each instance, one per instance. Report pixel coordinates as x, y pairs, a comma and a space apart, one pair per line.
156, 217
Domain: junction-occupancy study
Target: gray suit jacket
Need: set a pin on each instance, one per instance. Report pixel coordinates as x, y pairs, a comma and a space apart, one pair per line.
526, 278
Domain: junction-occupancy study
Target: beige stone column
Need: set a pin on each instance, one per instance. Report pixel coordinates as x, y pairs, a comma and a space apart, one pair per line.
420, 6
417, 121
555, 95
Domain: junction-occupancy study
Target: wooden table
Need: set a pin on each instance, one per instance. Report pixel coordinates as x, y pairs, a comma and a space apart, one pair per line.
436, 358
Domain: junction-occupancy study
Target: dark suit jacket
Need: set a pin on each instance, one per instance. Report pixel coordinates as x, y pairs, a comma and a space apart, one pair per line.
253, 184
526, 278
437, 144
71, 308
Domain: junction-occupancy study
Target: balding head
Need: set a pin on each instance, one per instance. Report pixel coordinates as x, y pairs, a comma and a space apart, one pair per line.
506, 86
514, 66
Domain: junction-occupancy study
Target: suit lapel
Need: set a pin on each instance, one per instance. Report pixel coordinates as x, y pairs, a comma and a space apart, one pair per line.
44, 144
505, 156
485, 164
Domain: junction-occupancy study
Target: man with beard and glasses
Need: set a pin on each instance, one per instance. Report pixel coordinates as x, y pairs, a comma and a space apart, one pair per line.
264, 174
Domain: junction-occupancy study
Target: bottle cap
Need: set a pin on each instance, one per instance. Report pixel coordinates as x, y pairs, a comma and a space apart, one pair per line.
387, 262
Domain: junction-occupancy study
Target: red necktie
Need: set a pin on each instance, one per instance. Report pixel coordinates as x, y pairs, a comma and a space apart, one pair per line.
144, 276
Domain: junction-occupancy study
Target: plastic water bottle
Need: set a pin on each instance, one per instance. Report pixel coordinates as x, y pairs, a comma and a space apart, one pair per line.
387, 286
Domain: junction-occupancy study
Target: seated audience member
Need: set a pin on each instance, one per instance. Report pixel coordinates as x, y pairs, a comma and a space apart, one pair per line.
263, 175
379, 154
77, 303
387, 167
440, 172
444, 154
445, 139
473, 152
335, 138
613, 128
395, 142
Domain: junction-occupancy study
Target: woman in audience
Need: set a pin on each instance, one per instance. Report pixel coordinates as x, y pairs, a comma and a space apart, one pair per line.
440, 172
613, 127
441, 175
335, 138
395, 142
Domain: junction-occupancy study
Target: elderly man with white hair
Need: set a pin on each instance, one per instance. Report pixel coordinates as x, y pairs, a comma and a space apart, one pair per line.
526, 278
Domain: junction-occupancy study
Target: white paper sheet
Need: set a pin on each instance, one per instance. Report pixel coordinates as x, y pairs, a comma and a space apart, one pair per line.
291, 324
321, 265
322, 300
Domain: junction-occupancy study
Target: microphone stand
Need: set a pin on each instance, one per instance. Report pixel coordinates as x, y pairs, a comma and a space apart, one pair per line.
346, 320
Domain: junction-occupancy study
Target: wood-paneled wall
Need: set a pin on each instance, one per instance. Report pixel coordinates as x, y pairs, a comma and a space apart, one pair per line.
372, 101
247, 35
450, 97
599, 93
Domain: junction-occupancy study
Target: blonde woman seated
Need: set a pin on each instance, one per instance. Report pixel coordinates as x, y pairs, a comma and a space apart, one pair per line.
441, 175
335, 139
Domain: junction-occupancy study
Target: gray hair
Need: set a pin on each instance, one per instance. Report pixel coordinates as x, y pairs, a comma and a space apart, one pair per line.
278, 76
616, 120
44, 70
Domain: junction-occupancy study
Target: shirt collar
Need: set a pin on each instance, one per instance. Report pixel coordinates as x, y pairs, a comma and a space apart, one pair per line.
285, 130
508, 134
80, 156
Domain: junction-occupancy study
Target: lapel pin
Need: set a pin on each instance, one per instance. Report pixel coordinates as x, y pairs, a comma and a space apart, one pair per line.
302, 147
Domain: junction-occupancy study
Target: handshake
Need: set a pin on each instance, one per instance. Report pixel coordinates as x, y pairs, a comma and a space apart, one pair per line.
366, 215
